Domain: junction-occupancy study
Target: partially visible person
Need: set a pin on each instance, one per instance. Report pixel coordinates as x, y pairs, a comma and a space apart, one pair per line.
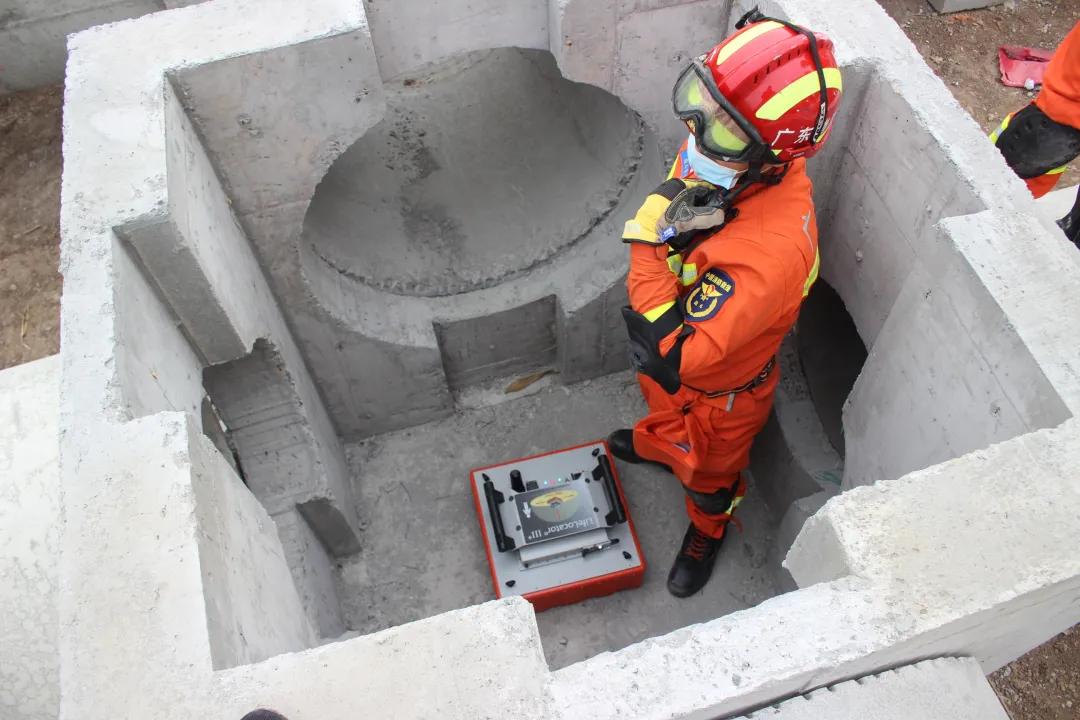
722, 256
263, 714
1042, 138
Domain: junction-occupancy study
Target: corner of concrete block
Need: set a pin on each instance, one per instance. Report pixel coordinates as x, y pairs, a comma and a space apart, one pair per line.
817, 555
796, 517
312, 573
592, 340
337, 529
582, 39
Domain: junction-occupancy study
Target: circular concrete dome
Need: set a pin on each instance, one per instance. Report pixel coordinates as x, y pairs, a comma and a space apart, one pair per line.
485, 165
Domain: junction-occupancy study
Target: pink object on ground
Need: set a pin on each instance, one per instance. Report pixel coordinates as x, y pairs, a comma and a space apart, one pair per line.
1020, 64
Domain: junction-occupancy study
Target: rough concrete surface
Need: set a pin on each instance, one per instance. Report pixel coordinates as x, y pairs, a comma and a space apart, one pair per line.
285, 461
974, 526
423, 552
187, 179
29, 540
941, 689
484, 166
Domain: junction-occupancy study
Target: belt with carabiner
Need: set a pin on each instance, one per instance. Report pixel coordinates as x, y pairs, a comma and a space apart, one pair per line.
758, 380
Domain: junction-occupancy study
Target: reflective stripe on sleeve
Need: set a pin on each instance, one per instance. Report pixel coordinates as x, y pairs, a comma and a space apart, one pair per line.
652, 315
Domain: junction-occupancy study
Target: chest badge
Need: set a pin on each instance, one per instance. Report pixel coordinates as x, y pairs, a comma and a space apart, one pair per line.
710, 294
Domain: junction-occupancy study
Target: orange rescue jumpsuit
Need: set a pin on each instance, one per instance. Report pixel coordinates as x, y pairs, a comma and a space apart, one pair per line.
1059, 99
740, 290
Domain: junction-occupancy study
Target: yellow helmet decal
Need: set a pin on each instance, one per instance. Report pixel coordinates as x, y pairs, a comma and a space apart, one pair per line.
775, 107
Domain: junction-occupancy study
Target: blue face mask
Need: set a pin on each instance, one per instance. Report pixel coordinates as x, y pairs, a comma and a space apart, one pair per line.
709, 170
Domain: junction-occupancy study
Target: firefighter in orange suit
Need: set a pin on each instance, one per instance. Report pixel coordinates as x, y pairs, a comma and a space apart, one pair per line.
722, 255
1041, 139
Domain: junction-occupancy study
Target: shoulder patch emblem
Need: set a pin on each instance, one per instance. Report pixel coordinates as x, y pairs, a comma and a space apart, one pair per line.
709, 295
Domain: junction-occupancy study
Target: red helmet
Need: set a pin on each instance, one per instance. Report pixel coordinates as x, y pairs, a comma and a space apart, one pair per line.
767, 94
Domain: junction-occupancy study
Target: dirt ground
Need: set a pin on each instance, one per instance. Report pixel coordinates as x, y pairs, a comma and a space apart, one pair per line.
30, 161
961, 48
1045, 683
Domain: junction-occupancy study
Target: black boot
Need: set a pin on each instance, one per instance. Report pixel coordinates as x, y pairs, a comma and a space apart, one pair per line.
621, 443
694, 563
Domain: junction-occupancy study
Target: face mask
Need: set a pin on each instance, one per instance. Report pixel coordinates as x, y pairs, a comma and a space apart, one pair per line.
709, 170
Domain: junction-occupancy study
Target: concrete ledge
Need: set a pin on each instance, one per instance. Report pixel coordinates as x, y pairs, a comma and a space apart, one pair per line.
286, 461
969, 533
480, 663
942, 689
191, 557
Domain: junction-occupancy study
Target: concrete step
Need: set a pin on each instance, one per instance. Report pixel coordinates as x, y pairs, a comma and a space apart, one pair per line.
939, 689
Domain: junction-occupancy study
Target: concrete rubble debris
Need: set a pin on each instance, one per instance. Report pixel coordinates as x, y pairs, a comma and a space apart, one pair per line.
219, 270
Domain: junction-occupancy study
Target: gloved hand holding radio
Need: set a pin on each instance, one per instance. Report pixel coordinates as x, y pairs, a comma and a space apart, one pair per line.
674, 213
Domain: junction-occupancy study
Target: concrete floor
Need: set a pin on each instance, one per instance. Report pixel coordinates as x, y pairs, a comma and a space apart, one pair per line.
422, 550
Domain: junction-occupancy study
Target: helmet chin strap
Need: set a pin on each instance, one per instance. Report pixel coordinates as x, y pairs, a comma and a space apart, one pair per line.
754, 175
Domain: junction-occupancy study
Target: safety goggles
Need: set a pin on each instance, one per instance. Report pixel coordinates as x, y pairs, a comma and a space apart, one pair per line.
720, 130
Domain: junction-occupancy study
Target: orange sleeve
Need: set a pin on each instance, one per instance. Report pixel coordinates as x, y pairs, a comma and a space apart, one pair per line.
1060, 94
724, 319
650, 283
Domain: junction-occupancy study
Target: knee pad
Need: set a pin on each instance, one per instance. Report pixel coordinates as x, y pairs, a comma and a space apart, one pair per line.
716, 503
1033, 144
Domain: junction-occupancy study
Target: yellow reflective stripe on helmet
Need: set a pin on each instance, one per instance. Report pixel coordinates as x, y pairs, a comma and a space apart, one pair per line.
652, 315
1056, 171
738, 42
798, 91
813, 276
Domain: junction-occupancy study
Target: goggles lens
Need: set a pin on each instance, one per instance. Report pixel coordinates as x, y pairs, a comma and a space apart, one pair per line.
715, 129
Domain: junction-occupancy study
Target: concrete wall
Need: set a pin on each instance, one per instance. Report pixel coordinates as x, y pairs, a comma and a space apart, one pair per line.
252, 608
184, 285
949, 369
29, 540
343, 325
33, 34
971, 557
189, 560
